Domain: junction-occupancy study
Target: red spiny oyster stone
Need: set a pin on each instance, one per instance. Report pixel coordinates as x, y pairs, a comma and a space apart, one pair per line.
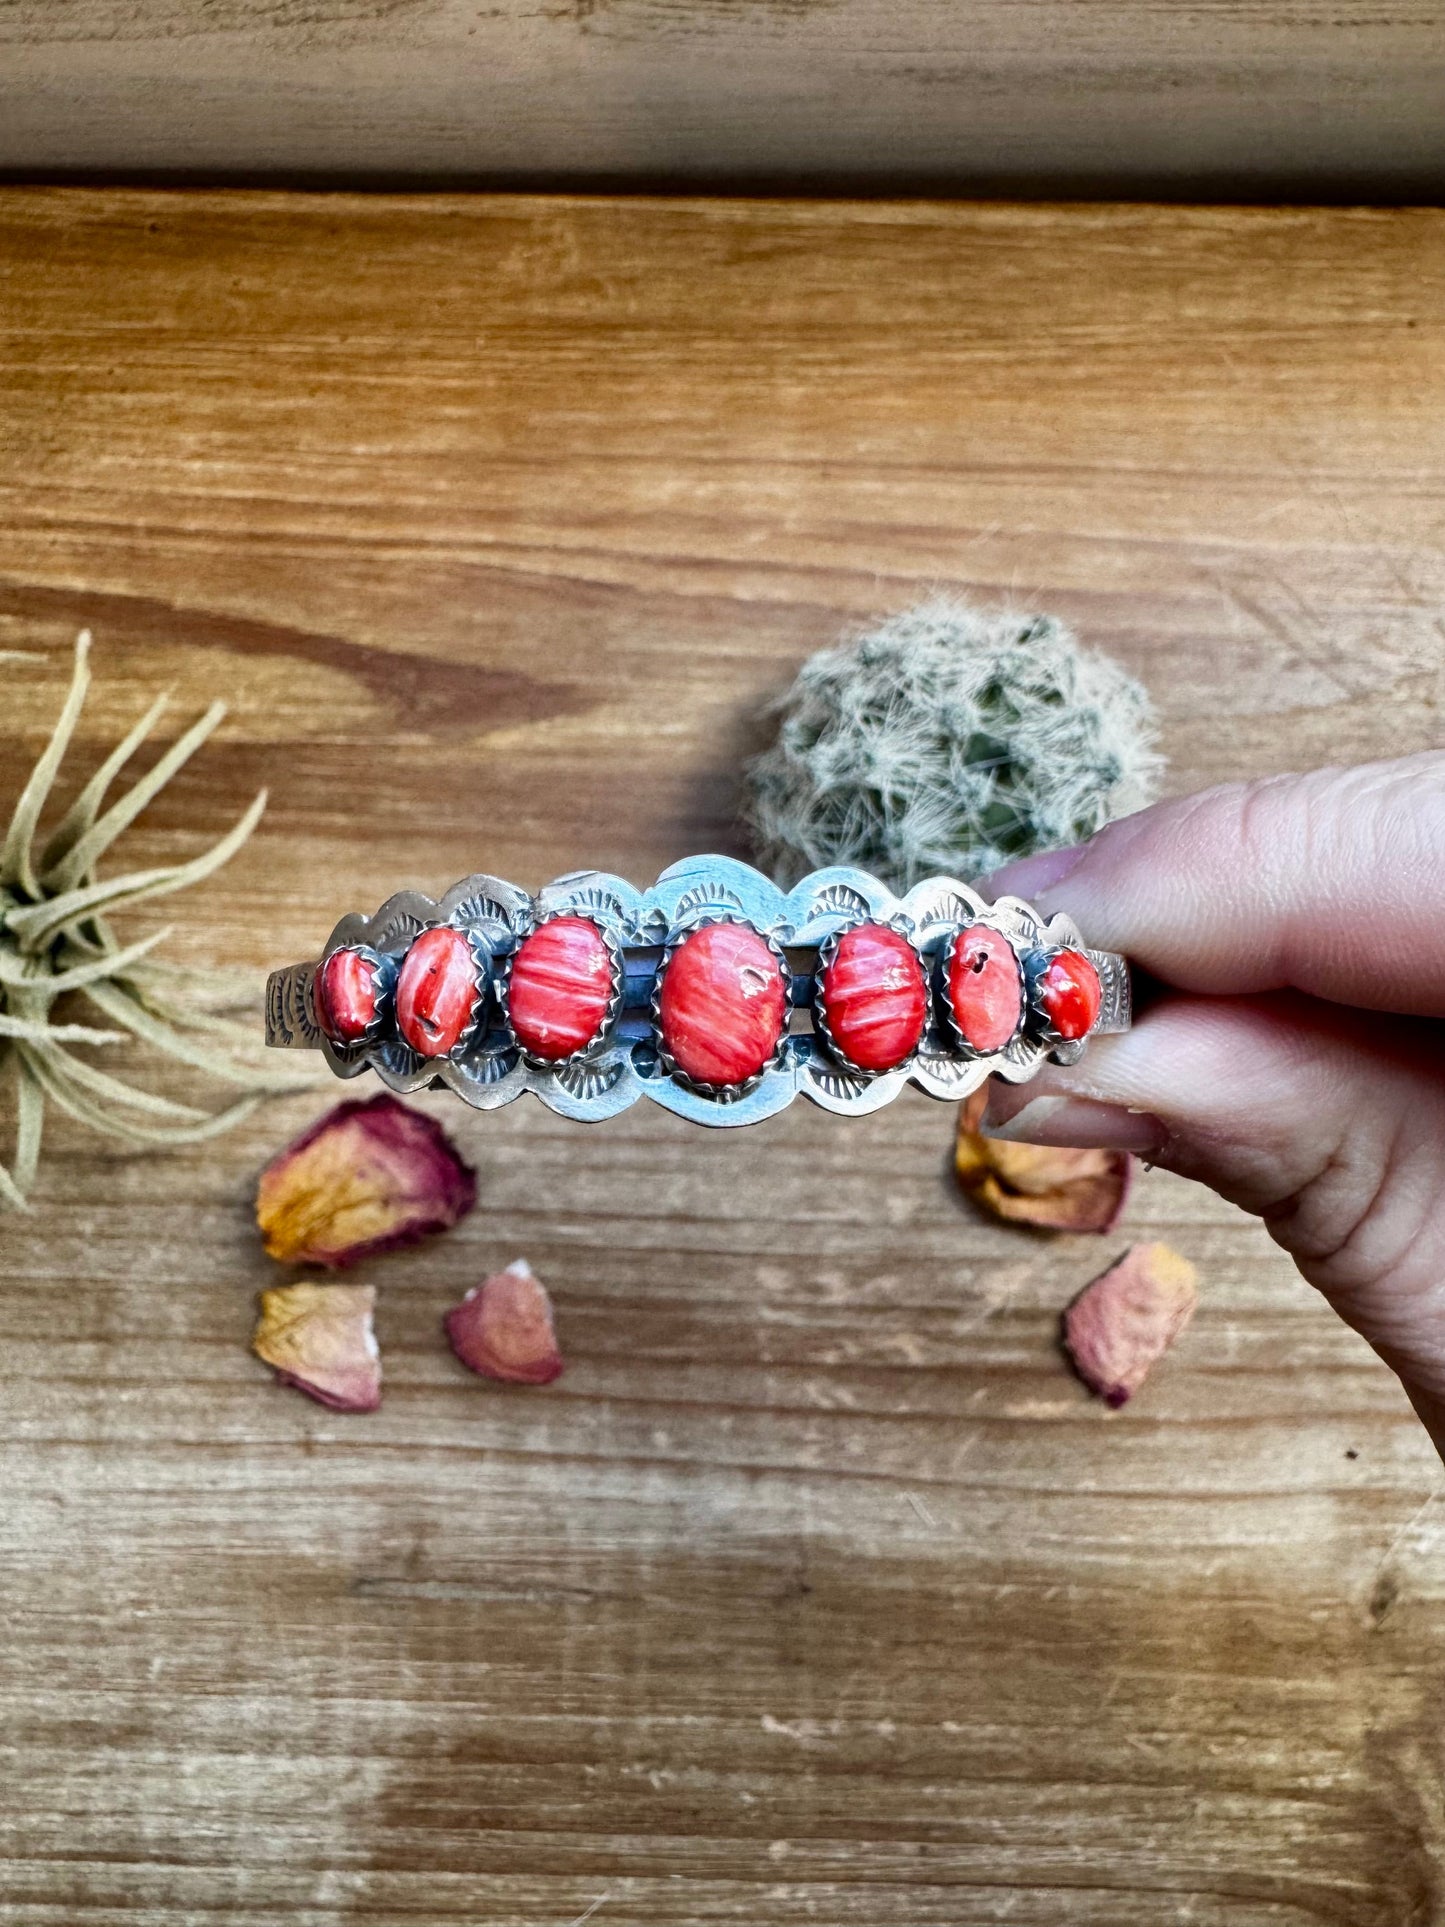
560, 987
722, 1005
874, 996
436, 991
1068, 993
348, 991
985, 987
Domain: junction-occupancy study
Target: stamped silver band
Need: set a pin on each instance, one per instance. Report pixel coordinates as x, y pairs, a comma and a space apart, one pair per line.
630, 1057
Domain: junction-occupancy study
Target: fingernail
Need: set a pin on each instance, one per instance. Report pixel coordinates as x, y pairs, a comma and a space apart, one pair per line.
1006, 1105
1075, 1123
1032, 875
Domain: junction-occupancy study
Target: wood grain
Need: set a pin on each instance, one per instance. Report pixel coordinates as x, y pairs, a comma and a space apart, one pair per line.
1226, 97
816, 1591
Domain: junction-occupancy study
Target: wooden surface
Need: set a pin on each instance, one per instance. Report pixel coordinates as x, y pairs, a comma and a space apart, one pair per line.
817, 1591
1189, 97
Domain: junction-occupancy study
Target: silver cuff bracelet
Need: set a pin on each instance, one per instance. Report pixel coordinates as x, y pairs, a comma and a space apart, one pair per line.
714, 993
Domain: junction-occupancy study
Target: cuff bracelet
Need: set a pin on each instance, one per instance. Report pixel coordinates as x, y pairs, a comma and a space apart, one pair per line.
714, 992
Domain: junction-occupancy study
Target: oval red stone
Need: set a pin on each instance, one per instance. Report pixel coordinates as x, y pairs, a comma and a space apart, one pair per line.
1068, 993
723, 1004
436, 991
874, 996
348, 991
560, 987
985, 987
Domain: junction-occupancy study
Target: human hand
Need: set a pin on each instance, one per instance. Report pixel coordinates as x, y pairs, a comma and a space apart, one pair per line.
1293, 1059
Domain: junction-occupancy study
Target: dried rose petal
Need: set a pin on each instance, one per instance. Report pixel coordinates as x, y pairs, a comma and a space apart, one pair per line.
319, 1339
367, 1177
1042, 1185
503, 1328
1120, 1324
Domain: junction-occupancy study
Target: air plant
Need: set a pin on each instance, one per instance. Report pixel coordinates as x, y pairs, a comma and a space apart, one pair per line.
55, 942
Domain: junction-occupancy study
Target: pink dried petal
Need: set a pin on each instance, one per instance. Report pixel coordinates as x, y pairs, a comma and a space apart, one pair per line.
369, 1176
1043, 1185
319, 1339
1120, 1324
503, 1328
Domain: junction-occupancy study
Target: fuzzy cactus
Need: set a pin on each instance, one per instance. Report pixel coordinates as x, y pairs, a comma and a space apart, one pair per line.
946, 741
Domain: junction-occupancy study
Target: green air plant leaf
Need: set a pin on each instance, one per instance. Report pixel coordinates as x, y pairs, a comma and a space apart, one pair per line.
55, 942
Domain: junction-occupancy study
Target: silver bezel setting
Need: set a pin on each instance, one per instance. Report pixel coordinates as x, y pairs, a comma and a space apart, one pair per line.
945, 988
821, 1027
386, 974
1063, 1050
503, 988
482, 980
490, 1069
676, 938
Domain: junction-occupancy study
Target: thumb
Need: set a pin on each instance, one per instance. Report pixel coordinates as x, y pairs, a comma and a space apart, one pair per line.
1328, 1124
1287, 916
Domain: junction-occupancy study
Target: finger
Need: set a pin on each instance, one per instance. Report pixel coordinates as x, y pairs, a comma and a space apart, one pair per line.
1331, 883
1329, 1126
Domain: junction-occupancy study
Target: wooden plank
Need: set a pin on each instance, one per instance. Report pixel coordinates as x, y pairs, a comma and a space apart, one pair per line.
816, 1590
1221, 98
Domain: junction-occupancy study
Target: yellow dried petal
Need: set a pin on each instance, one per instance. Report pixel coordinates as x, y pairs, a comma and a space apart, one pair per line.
1052, 1188
319, 1339
365, 1178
